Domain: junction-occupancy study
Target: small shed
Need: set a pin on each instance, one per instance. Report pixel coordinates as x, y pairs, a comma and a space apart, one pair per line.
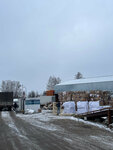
32, 103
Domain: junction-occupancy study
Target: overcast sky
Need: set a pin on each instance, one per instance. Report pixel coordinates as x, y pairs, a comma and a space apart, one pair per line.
39, 38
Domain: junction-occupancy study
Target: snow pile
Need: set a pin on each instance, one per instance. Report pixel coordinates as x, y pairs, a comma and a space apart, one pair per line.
69, 107
29, 111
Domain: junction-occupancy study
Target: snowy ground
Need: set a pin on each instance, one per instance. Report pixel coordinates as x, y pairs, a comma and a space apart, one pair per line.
41, 119
46, 131
57, 124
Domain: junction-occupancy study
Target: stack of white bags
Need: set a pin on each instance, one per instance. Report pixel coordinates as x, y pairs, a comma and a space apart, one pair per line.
69, 107
82, 107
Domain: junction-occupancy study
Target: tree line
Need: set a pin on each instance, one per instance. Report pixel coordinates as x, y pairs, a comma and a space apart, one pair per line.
18, 89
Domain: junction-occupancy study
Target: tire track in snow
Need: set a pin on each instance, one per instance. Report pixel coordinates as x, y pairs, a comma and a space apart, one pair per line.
10, 123
5, 115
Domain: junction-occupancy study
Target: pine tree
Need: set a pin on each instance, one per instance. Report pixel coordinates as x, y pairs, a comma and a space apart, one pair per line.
78, 76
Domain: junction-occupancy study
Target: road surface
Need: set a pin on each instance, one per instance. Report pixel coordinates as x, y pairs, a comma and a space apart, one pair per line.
17, 133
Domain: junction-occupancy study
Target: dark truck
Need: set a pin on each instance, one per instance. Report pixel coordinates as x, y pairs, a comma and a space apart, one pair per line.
6, 101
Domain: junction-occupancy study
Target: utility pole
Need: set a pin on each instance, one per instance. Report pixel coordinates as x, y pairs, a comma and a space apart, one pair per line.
24, 94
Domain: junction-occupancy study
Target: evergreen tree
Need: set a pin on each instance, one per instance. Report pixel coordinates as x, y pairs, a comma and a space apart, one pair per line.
78, 75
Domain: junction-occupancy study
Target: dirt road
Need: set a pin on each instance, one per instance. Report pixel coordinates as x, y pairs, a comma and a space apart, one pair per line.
63, 134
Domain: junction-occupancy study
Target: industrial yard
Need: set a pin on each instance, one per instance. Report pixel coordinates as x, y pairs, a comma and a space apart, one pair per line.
56, 77
84, 119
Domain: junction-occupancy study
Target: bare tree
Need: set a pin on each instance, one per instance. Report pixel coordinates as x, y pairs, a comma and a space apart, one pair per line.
33, 94
12, 86
52, 82
37, 94
78, 75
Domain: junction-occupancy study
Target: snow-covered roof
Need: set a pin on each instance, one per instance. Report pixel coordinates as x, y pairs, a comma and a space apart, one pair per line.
98, 83
88, 80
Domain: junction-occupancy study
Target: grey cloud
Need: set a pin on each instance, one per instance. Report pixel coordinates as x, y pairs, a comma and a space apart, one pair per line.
43, 38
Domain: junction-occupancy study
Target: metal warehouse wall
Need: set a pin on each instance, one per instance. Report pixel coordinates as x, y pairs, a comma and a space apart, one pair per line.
104, 86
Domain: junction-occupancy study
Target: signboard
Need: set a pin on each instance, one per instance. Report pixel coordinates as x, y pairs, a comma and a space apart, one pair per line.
32, 102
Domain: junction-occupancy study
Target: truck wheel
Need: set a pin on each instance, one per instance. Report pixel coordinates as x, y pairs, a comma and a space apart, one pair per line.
9, 108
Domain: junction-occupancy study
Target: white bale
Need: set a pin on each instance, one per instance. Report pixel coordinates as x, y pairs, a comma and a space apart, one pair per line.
69, 107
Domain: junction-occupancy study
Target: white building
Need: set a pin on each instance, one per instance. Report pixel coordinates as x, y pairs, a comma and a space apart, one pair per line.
32, 103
